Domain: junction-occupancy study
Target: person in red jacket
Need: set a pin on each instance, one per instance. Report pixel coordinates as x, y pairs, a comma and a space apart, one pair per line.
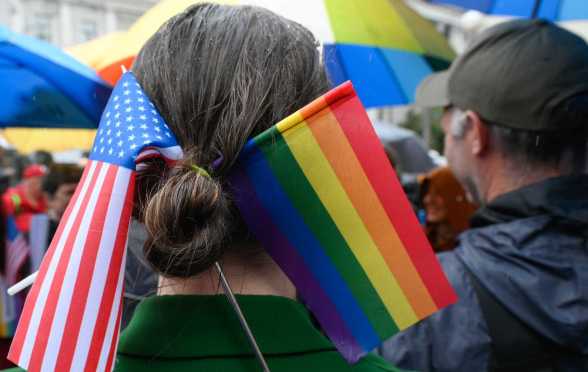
26, 199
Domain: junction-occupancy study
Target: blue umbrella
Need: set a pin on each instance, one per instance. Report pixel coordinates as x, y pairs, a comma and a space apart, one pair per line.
44, 87
555, 10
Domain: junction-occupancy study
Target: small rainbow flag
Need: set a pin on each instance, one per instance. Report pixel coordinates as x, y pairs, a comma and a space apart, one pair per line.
319, 193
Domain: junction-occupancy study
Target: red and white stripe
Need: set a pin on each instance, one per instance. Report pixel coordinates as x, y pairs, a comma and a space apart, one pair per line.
169, 154
69, 322
17, 252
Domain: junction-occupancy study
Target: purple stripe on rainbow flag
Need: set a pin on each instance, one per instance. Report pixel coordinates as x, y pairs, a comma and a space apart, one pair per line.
319, 186
306, 283
289, 224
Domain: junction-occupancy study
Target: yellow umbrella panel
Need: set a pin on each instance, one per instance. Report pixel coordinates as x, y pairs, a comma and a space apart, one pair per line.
27, 140
382, 46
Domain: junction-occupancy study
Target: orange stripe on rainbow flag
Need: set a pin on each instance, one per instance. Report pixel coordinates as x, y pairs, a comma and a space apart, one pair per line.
338, 151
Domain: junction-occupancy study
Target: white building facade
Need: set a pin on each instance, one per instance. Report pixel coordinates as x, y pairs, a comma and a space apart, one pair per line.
68, 22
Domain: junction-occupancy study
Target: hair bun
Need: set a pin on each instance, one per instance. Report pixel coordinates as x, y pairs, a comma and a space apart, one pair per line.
187, 220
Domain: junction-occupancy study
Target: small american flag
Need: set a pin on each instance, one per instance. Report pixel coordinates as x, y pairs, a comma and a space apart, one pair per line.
17, 251
71, 317
15, 256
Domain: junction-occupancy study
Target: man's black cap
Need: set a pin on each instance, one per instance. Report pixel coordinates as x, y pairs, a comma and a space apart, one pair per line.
525, 74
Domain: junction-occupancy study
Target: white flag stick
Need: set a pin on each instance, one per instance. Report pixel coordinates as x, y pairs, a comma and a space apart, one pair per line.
23, 284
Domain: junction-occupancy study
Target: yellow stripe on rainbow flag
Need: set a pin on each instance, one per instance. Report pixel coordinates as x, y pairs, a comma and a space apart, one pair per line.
316, 168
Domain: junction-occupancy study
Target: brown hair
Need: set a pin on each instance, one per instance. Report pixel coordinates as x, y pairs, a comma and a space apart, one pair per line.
218, 75
442, 182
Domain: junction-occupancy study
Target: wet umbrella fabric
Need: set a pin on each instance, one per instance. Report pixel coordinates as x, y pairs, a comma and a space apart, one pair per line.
382, 46
42, 86
554, 10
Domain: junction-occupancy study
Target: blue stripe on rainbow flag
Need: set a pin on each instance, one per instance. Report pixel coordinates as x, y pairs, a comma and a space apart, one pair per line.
288, 257
294, 228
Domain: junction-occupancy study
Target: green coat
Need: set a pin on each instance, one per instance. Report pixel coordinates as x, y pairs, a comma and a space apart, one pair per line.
202, 333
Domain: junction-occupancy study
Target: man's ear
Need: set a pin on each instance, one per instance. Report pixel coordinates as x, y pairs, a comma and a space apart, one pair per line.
480, 134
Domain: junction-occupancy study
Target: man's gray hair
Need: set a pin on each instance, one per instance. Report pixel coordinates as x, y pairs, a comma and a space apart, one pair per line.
566, 151
459, 123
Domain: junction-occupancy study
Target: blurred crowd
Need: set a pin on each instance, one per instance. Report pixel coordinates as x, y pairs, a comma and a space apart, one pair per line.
507, 215
35, 193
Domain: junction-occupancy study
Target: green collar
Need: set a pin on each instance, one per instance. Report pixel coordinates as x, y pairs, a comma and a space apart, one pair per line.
206, 326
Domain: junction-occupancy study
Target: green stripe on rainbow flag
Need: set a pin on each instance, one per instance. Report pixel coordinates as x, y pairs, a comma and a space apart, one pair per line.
324, 176
333, 143
324, 181
318, 220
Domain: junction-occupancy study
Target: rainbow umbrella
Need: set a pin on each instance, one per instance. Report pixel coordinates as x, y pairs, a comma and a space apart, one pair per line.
554, 10
382, 46
42, 86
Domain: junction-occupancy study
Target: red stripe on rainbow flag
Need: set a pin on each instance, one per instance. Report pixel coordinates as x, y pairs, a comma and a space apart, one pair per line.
330, 137
371, 155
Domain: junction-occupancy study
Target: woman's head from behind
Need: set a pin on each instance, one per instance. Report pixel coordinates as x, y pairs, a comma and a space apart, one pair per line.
218, 75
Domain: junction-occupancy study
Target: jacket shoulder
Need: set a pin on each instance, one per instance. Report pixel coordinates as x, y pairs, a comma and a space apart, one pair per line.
374, 363
453, 339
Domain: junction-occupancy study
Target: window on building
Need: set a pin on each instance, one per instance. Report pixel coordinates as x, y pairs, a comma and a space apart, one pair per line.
125, 20
39, 25
88, 30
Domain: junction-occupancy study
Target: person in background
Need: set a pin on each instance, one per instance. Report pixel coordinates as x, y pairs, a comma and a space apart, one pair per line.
446, 206
42, 157
26, 199
516, 137
59, 186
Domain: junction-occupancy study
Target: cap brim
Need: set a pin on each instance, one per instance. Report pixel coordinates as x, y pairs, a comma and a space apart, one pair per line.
433, 91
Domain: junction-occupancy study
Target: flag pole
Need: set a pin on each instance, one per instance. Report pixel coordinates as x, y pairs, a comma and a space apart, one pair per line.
23, 284
242, 320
